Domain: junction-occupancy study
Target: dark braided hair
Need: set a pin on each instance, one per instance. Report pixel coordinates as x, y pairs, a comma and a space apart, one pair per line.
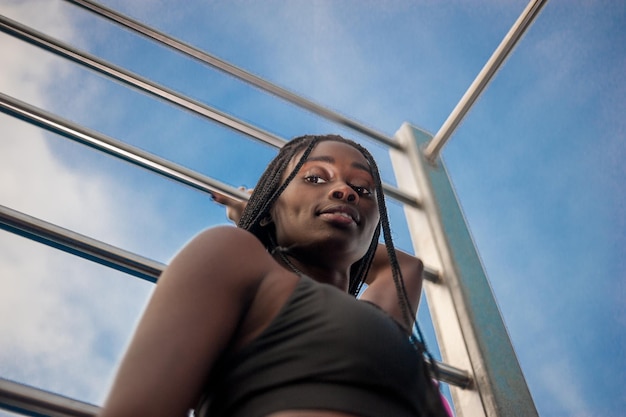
271, 185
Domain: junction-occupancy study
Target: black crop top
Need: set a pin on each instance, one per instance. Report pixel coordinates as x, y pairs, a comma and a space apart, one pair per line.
325, 350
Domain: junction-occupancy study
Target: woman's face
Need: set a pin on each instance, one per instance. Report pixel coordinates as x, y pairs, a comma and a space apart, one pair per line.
330, 204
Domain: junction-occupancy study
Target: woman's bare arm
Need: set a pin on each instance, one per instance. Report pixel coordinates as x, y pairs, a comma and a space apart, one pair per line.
381, 289
190, 319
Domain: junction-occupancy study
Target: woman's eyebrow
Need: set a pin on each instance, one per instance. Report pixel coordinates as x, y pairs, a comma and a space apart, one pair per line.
331, 160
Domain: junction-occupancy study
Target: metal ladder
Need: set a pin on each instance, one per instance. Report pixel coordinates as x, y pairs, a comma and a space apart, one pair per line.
480, 364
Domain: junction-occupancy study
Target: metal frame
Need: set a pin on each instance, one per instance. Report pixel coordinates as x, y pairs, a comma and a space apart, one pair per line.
230, 69
486, 378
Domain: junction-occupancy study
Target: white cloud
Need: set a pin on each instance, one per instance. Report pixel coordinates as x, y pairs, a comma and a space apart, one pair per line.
62, 320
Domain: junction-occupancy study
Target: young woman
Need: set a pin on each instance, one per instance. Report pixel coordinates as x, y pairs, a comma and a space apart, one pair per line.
262, 320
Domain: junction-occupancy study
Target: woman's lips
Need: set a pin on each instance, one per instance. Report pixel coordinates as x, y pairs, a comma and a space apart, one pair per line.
340, 215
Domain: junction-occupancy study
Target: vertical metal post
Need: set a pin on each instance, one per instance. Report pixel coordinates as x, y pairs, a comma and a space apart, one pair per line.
470, 330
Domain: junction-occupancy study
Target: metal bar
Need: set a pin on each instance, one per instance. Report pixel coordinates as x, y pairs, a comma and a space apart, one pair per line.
80, 245
136, 156
95, 250
482, 79
100, 142
230, 69
401, 196
128, 78
24, 399
453, 376
431, 274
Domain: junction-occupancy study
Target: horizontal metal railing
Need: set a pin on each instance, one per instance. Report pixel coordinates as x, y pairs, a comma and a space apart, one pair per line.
92, 249
27, 400
116, 148
241, 74
135, 81
80, 245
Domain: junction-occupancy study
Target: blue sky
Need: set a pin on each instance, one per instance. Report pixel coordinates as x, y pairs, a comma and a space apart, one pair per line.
538, 164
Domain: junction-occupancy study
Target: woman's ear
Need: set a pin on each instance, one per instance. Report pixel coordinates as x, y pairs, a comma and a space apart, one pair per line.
265, 220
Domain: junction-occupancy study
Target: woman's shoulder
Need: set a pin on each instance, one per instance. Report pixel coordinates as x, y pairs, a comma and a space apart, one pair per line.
227, 237
227, 240
225, 252
230, 269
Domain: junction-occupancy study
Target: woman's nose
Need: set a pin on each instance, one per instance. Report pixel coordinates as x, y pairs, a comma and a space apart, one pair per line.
344, 192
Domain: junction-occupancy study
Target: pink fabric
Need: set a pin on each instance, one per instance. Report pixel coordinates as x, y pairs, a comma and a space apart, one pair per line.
444, 401
447, 406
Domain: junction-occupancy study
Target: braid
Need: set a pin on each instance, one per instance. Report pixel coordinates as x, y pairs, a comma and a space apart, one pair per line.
269, 188
431, 399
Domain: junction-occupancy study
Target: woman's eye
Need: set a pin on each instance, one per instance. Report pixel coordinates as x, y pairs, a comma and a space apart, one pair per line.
362, 191
315, 179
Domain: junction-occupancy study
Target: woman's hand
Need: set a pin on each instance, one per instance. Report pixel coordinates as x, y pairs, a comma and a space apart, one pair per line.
234, 208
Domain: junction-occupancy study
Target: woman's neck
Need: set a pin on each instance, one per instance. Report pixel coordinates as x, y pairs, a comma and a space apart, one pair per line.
318, 271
